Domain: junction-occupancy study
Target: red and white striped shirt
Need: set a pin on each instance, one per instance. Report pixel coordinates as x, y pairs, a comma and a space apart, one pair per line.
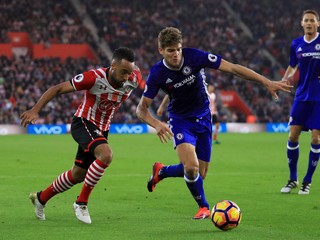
101, 100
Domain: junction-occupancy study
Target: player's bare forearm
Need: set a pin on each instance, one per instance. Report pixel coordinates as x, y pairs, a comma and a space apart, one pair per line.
163, 131
251, 75
31, 115
144, 115
248, 74
51, 93
272, 86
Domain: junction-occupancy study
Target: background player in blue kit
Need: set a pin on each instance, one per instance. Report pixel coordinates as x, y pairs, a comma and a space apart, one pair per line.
181, 75
305, 112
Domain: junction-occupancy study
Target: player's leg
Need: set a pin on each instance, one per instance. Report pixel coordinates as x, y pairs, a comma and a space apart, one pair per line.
297, 121
216, 129
314, 156
216, 132
103, 157
203, 168
187, 155
160, 171
97, 158
314, 153
62, 183
292, 156
203, 152
92, 177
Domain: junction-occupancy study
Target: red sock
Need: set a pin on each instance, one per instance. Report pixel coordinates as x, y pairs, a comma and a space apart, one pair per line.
95, 172
215, 137
61, 184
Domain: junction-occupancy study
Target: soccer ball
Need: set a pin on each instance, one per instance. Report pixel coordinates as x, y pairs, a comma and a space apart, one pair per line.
226, 215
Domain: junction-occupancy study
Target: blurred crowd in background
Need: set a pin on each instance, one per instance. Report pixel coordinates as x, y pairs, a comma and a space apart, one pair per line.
254, 33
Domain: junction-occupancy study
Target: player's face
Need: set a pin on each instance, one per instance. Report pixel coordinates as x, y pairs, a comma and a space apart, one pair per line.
120, 71
172, 55
310, 24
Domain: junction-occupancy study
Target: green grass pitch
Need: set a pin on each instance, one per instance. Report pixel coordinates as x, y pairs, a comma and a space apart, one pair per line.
248, 169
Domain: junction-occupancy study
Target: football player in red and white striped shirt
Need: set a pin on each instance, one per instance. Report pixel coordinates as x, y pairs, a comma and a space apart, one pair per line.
105, 90
214, 113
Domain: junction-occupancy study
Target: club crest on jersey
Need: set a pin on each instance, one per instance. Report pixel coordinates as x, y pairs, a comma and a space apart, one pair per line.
186, 70
179, 136
78, 78
317, 47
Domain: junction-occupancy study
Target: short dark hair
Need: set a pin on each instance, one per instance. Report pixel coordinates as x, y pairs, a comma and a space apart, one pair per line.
314, 12
123, 53
169, 36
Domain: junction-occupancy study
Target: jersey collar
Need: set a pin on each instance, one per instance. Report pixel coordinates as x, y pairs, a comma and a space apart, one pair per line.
173, 69
304, 38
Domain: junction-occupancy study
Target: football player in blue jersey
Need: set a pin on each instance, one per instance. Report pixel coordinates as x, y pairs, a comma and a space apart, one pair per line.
181, 75
305, 111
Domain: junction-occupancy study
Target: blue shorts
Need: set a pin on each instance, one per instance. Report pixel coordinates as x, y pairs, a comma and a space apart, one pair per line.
196, 131
306, 114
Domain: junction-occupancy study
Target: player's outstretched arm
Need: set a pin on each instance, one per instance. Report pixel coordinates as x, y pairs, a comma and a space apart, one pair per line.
31, 116
163, 131
248, 74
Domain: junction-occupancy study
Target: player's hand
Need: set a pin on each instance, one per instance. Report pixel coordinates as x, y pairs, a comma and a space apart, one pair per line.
274, 86
28, 117
164, 132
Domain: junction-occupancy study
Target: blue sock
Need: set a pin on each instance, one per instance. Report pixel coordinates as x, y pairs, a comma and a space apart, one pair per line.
293, 156
313, 161
196, 188
172, 171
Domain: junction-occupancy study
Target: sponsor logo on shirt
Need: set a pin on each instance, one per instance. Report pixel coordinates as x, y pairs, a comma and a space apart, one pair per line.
106, 105
311, 54
189, 80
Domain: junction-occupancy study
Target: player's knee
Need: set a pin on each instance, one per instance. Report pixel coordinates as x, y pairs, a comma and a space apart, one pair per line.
106, 157
191, 171
315, 140
293, 137
104, 153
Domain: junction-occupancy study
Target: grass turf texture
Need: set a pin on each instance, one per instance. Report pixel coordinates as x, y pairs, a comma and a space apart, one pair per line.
249, 169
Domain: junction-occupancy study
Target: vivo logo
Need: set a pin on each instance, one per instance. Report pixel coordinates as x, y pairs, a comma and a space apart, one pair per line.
47, 129
125, 128
280, 127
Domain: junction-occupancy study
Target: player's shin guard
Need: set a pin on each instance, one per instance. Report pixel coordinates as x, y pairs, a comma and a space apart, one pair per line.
293, 156
63, 183
196, 188
172, 171
313, 161
95, 172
